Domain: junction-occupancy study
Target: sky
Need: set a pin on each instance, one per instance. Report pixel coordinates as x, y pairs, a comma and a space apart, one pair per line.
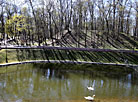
21, 2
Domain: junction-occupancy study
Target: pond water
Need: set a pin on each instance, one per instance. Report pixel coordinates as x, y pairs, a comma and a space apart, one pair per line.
32, 83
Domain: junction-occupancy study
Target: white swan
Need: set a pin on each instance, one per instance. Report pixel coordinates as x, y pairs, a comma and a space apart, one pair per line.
89, 98
90, 88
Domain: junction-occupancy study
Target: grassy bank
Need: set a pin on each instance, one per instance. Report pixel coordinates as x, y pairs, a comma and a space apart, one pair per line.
12, 56
103, 57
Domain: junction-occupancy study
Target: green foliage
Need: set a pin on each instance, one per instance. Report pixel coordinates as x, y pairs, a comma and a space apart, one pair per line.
15, 25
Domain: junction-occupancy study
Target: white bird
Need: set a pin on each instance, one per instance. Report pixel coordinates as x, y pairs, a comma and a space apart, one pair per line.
90, 88
89, 98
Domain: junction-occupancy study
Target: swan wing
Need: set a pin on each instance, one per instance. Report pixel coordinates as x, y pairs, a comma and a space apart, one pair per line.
89, 98
90, 88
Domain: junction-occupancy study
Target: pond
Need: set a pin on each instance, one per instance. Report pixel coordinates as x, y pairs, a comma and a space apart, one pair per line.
42, 83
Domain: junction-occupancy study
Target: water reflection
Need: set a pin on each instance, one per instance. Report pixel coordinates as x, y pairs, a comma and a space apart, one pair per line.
31, 83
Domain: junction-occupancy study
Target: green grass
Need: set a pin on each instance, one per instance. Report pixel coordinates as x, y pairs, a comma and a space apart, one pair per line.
103, 57
119, 41
12, 56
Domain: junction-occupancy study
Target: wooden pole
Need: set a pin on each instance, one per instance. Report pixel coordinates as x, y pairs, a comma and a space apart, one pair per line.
6, 55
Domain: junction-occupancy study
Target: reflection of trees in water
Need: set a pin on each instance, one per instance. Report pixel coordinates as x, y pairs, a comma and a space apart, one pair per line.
29, 81
51, 72
62, 71
134, 78
15, 82
34, 81
56, 74
120, 84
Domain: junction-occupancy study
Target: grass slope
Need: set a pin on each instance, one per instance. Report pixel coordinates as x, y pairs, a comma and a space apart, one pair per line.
103, 57
96, 40
69, 40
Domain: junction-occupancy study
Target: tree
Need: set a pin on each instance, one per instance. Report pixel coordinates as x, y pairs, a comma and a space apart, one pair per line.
2, 19
15, 25
136, 20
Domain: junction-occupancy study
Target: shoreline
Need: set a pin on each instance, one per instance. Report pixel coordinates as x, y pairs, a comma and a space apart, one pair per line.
67, 61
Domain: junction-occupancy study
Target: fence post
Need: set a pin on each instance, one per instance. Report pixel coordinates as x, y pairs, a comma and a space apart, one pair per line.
6, 54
